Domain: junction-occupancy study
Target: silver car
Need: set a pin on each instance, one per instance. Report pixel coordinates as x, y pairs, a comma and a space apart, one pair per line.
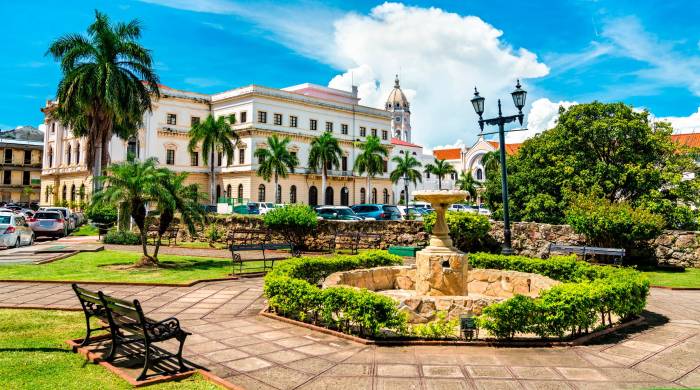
49, 223
14, 230
67, 215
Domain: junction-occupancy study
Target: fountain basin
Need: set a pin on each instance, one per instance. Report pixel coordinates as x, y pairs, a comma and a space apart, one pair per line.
484, 286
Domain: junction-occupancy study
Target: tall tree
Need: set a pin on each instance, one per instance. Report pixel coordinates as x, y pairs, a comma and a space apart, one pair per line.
605, 149
108, 80
276, 161
491, 162
325, 152
406, 168
441, 168
215, 136
132, 184
370, 161
467, 183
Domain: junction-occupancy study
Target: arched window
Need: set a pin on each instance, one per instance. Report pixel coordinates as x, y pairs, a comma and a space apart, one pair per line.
385, 195
479, 174
403, 197
329, 196
64, 192
293, 194
240, 193
50, 157
132, 148
374, 195
345, 196
228, 191
278, 195
77, 154
313, 196
363, 195
68, 154
261, 193
72, 193
218, 192
81, 193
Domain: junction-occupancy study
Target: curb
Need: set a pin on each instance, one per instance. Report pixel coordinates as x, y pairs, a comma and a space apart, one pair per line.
152, 284
533, 343
677, 288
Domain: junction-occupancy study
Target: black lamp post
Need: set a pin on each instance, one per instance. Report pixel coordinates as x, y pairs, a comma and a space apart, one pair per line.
519, 100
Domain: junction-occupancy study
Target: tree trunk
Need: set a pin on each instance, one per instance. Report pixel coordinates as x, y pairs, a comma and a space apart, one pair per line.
439, 182
212, 180
324, 173
97, 168
277, 194
369, 190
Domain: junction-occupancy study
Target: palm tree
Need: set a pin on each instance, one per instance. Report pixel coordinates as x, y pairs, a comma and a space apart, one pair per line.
491, 161
325, 152
441, 168
107, 84
132, 184
371, 159
406, 168
178, 198
215, 135
467, 183
276, 160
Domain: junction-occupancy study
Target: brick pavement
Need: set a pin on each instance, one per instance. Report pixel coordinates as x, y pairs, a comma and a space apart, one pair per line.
260, 353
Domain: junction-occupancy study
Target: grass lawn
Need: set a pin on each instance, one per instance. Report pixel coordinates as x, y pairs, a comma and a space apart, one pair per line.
688, 278
200, 245
85, 230
33, 355
115, 266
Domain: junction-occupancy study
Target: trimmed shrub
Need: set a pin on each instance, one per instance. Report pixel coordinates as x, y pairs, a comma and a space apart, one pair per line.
468, 231
292, 291
101, 214
587, 293
612, 224
294, 222
442, 328
122, 237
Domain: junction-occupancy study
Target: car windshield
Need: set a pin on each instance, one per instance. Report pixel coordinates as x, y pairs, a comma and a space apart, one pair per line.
391, 209
5, 219
344, 212
47, 216
63, 212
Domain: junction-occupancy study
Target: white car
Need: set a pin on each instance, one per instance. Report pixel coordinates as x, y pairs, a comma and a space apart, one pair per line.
14, 230
485, 212
263, 207
67, 215
458, 207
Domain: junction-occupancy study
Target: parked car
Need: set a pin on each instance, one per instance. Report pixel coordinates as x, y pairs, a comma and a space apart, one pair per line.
458, 207
485, 211
337, 213
380, 212
49, 223
411, 213
263, 207
67, 215
14, 230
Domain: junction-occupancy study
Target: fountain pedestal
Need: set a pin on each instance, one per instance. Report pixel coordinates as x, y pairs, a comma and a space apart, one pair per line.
441, 269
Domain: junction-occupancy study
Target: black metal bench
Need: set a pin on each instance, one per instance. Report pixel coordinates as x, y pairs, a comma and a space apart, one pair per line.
125, 317
353, 240
102, 228
242, 240
92, 307
617, 254
170, 234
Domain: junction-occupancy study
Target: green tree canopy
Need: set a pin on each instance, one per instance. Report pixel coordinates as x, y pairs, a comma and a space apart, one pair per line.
107, 83
370, 161
325, 152
607, 149
215, 136
276, 160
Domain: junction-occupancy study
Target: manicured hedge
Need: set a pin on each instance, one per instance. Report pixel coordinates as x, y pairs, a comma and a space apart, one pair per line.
588, 295
292, 291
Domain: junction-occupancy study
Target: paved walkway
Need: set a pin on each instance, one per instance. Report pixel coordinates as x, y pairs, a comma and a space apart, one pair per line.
260, 353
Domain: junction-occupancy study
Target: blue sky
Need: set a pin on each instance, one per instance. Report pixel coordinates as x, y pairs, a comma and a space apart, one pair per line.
645, 53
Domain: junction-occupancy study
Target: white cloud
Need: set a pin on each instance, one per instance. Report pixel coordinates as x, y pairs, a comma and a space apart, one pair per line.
458, 144
42, 127
543, 116
440, 55
683, 124
215, 26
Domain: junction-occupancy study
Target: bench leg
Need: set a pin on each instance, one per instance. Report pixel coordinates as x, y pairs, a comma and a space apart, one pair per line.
86, 340
146, 362
181, 339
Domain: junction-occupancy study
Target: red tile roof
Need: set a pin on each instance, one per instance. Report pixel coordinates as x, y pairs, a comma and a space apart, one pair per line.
448, 154
511, 149
396, 141
691, 139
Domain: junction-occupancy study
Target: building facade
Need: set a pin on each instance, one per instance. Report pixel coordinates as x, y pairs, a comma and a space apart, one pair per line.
20, 165
301, 112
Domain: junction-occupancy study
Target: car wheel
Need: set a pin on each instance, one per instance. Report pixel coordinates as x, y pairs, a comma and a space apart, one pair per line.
31, 240
17, 243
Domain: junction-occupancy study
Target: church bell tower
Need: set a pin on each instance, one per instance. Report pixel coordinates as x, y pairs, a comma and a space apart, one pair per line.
398, 106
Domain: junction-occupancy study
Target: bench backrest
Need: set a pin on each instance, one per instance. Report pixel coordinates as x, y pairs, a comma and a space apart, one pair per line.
124, 314
89, 300
248, 237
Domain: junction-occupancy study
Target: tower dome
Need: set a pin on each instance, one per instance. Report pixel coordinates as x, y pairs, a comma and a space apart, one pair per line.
397, 100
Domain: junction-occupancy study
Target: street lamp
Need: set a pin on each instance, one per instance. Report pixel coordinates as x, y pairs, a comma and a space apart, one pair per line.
519, 96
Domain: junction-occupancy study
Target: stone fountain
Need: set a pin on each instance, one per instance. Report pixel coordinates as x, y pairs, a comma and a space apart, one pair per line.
441, 279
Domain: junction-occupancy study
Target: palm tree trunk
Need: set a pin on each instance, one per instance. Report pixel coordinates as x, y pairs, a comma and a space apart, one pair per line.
212, 181
277, 188
439, 182
97, 167
324, 174
369, 190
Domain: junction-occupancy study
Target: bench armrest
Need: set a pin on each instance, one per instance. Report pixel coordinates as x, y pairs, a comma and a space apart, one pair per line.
165, 328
